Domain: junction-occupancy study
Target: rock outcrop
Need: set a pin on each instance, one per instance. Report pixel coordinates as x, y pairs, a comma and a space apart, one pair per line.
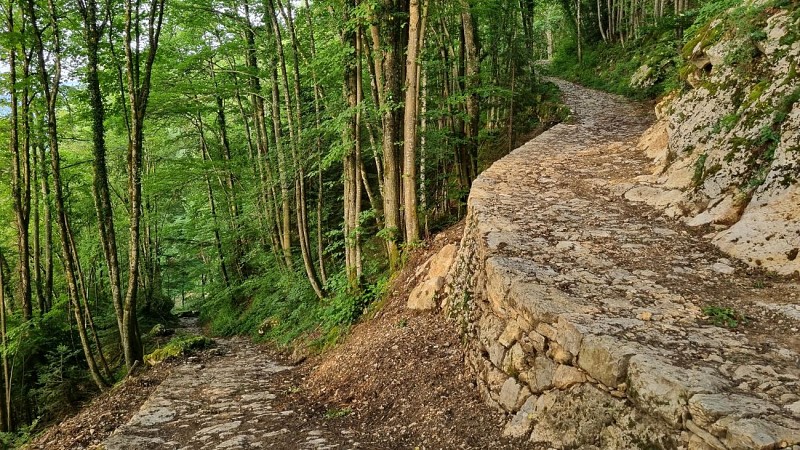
584, 312
426, 293
727, 152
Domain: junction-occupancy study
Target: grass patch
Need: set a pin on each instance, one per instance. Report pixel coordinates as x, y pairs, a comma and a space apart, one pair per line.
337, 413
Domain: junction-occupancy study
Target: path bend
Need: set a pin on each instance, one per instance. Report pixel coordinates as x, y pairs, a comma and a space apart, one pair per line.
577, 298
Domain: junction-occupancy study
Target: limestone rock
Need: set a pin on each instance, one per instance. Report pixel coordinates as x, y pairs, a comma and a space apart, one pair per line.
522, 422
442, 261
566, 376
605, 359
642, 78
654, 196
540, 376
756, 433
706, 409
595, 305
423, 296
704, 172
511, 333
513, 395
664, 388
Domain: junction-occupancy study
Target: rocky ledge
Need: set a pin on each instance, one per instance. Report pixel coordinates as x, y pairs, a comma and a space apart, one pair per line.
590, 318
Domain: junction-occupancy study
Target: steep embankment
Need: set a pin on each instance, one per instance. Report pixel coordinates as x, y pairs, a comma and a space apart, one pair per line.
586, 314
727, 151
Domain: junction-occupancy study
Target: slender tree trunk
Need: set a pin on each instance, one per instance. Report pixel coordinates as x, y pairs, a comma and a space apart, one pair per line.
423, 197
283, 176
100, 187
578, 27
50, 88
48, 230
472, 75
388, 76
6, 418
268, 198
138, 80
230, 183
212, 204
318, 147
295, 130
350, 170
600, 22
86, 311
37, 247
415, 37
20, 186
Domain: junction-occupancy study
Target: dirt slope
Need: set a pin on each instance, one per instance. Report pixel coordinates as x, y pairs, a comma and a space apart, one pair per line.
397, 381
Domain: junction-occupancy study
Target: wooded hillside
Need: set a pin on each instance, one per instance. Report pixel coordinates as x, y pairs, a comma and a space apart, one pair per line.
266, 162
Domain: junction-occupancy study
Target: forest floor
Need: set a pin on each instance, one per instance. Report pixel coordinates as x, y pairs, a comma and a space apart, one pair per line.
398, 381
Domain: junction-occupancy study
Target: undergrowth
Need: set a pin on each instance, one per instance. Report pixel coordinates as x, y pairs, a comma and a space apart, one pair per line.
661, 52
610, 66
280, 306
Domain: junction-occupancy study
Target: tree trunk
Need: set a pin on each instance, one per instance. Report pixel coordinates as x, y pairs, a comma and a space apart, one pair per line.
262, 141
295, 130
232, 197
318, 147
415, 37
50, 88
100, 187
283, 176
6, 418
472, 75
212, 204
20, 186
388, 76
48, 230
350, 140
138, 81
578, 27
600, 22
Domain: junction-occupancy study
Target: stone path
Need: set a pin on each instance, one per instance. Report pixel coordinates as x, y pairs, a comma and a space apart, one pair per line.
586, 310
225, 402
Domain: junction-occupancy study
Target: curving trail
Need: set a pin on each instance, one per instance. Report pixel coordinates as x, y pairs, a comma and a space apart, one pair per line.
582, 298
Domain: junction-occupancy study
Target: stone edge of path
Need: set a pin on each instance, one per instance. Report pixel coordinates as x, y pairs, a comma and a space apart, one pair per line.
547, 360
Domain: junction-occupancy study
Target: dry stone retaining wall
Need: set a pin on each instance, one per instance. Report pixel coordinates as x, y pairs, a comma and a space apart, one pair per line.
582, 313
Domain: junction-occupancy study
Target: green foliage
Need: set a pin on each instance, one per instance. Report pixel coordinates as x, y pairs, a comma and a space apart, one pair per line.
211, 194
337, 413
666, 47
699, 170
610, 67
177, 347
19, 437
60, 380
724, 316
280, 306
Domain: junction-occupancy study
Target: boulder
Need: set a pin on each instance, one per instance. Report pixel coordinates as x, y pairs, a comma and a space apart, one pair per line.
423, 297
